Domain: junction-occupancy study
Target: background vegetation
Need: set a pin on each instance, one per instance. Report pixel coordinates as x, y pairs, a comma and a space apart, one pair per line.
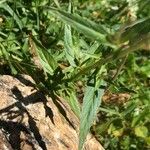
83, 50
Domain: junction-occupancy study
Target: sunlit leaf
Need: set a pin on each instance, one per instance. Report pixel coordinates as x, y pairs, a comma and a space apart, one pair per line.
47, 60
68, 43
91, 103
87, 27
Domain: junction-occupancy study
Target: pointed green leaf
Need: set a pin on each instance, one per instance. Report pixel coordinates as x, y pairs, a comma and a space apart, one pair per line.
68, 43
47, 60
87, 27
69, 48
91, 103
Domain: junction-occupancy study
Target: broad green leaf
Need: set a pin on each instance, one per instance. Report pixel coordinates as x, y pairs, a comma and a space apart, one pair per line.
141, 131
87, 27
12, 13
91, 103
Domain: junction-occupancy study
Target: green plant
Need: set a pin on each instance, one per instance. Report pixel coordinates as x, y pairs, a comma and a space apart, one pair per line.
89, 55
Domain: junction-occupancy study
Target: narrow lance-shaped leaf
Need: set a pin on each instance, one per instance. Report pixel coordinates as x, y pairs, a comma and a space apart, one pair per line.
68, 43
87, 27
91, 103
47, 60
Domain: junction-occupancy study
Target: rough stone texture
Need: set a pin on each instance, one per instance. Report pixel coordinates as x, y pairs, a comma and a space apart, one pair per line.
29, 120
4, 144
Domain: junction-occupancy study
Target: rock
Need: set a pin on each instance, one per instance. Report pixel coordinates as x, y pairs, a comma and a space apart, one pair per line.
33, 121
4, 144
